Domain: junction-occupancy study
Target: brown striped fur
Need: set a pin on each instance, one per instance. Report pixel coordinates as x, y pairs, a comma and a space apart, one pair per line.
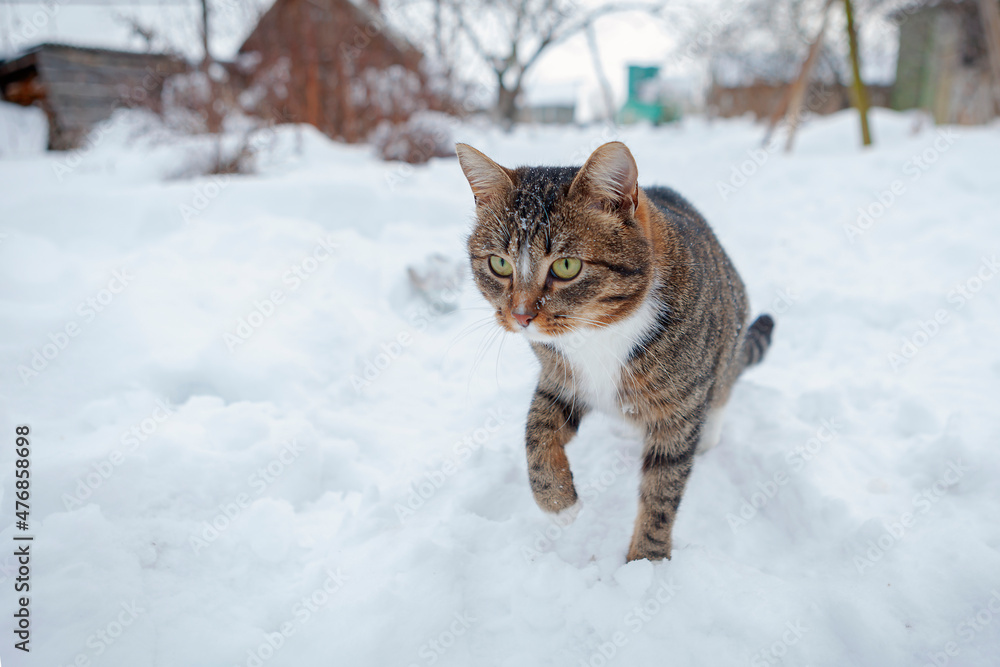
655, 283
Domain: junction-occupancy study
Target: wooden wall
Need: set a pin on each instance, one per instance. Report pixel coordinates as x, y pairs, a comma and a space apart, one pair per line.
334, 65
79, 88
942, 65
761, 99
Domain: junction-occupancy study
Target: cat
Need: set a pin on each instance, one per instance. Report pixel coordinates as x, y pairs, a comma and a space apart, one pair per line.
632, 308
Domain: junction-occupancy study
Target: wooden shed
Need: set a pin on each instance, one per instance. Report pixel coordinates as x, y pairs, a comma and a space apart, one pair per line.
335, 64
943, 64
756, 82
79, 87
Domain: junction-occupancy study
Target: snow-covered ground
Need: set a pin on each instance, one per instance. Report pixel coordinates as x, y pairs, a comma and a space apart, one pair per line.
253, 444
23, 130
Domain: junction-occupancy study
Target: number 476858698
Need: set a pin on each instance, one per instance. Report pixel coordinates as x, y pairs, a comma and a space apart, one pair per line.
23, 474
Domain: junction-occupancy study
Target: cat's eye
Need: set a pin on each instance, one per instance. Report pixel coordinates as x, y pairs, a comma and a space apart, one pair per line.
501, 266
566, 268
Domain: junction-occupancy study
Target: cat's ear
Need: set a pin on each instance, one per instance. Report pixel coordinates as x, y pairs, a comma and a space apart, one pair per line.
487, 178
609, 177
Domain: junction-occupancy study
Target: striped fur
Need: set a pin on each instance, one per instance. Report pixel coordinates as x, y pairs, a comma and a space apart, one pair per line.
653, 328
758, 340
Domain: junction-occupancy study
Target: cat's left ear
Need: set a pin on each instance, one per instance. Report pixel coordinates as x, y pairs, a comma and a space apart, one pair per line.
487, 178
610, 176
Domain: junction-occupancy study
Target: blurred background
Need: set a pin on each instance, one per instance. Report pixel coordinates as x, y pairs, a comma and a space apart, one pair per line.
394, 73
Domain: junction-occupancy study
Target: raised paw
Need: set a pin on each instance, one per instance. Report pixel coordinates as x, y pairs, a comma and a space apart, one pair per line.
552, 486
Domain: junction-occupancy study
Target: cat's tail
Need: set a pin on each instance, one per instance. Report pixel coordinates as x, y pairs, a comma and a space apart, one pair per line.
757, 341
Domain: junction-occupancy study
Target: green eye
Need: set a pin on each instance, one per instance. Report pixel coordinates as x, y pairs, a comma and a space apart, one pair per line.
501, 266
566, 268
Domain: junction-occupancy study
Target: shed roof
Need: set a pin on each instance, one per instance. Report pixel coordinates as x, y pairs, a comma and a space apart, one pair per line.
26, 57
364, 14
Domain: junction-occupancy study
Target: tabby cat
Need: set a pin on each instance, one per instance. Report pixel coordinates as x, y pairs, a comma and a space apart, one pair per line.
632, 308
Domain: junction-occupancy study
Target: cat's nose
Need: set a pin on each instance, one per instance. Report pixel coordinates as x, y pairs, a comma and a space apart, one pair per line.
524, 319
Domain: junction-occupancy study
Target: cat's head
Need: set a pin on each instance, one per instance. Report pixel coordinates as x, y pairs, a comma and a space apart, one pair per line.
559, 249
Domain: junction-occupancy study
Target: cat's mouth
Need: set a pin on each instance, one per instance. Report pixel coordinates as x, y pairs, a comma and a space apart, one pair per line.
544, 328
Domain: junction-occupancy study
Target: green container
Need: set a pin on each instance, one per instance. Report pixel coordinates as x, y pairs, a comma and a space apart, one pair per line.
640, 107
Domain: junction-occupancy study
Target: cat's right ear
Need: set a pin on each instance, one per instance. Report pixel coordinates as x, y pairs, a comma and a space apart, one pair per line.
488, 179
609, 178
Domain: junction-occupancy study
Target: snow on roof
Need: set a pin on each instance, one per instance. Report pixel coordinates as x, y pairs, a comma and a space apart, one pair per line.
553, 93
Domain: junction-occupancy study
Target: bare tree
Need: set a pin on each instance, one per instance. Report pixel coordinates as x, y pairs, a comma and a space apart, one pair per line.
602, 77
785, 30
510, 36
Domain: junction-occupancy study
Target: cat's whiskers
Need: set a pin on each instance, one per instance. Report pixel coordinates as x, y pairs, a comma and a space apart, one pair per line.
468, 331
630, 374
596, 324
481, 351
496, 370
566, 366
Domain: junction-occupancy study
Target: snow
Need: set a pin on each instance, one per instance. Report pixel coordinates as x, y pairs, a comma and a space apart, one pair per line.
23, 130
260, 445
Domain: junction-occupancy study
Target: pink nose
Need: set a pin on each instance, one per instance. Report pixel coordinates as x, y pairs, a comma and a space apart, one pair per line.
524, 319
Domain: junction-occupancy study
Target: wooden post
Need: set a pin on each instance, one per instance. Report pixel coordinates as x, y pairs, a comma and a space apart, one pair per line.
991, 26
796, 93
860, 94
207, 56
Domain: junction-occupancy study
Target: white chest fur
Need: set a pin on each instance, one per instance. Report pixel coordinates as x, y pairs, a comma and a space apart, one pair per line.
597, 356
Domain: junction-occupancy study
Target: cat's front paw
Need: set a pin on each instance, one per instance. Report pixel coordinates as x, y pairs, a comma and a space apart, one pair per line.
648, 547
553, 488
